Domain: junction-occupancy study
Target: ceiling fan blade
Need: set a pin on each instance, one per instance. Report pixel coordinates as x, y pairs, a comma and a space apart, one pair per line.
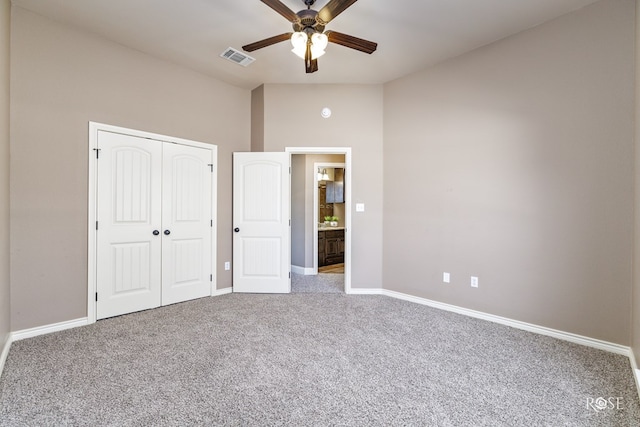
346, 40
310, 65
333, 9
283, 10
267, 42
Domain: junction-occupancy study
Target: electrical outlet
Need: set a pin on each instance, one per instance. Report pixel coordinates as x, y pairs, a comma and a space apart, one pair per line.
446, 277
227, 265
474, 282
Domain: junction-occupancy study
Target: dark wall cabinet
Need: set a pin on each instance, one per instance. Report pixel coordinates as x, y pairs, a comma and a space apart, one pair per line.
330, 247
335, 189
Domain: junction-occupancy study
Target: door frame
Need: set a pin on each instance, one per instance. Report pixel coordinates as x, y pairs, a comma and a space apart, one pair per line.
346, 151
94, 129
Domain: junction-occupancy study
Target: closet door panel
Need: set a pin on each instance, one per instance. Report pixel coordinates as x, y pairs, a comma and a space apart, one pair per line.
187, 222
128, 211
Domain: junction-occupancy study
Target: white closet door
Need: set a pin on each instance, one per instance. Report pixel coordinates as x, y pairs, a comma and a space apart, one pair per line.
186, 223
261, 220
129, 214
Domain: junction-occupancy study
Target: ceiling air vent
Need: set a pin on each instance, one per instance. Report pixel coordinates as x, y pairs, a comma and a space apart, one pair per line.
236, 56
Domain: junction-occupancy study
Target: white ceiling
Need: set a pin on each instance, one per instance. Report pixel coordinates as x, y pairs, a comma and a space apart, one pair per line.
411, 34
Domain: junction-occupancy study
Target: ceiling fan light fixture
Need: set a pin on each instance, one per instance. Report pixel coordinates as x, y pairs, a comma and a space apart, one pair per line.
319, 43
320, 40
299, 43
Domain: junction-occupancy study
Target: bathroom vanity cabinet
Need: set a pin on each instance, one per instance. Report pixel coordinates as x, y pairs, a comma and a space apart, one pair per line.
330, 246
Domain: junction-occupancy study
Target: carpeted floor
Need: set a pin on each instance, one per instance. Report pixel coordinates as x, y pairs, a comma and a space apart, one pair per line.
310, 360
320, 283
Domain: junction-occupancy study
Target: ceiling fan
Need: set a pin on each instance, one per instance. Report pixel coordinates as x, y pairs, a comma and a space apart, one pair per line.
309, 38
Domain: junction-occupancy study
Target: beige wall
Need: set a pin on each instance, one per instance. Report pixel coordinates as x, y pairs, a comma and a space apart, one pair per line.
257, 119
5, 317
298, 209
292, 119
61, 80
635, 313
514, 163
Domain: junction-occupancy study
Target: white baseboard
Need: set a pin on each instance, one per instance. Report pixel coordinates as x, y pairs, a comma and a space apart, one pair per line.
47, 329
566, 336
223, 291
5, 352
305, 271
636, 371
366, 291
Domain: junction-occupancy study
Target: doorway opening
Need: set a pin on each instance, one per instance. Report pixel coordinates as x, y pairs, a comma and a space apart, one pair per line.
308, 224
330, 215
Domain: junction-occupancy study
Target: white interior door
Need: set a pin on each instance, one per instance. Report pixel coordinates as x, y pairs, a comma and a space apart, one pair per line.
186, 223
261, 221
129, 215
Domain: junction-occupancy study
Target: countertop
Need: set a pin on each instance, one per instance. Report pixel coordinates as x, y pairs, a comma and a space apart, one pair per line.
330, 228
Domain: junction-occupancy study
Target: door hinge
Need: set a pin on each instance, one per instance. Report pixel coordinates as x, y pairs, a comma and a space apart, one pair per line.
289, 275
97, 150
96, 225
211, 166
96, 296
211, 277
212, 223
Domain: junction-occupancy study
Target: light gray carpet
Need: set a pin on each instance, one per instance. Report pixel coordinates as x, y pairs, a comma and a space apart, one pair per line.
309, 359
320, 283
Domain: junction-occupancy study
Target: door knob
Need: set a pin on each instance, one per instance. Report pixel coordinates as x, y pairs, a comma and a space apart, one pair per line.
236, 229
156, 232
167, 232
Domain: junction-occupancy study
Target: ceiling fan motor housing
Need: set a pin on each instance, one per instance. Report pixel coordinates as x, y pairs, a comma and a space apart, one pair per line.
308, 21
